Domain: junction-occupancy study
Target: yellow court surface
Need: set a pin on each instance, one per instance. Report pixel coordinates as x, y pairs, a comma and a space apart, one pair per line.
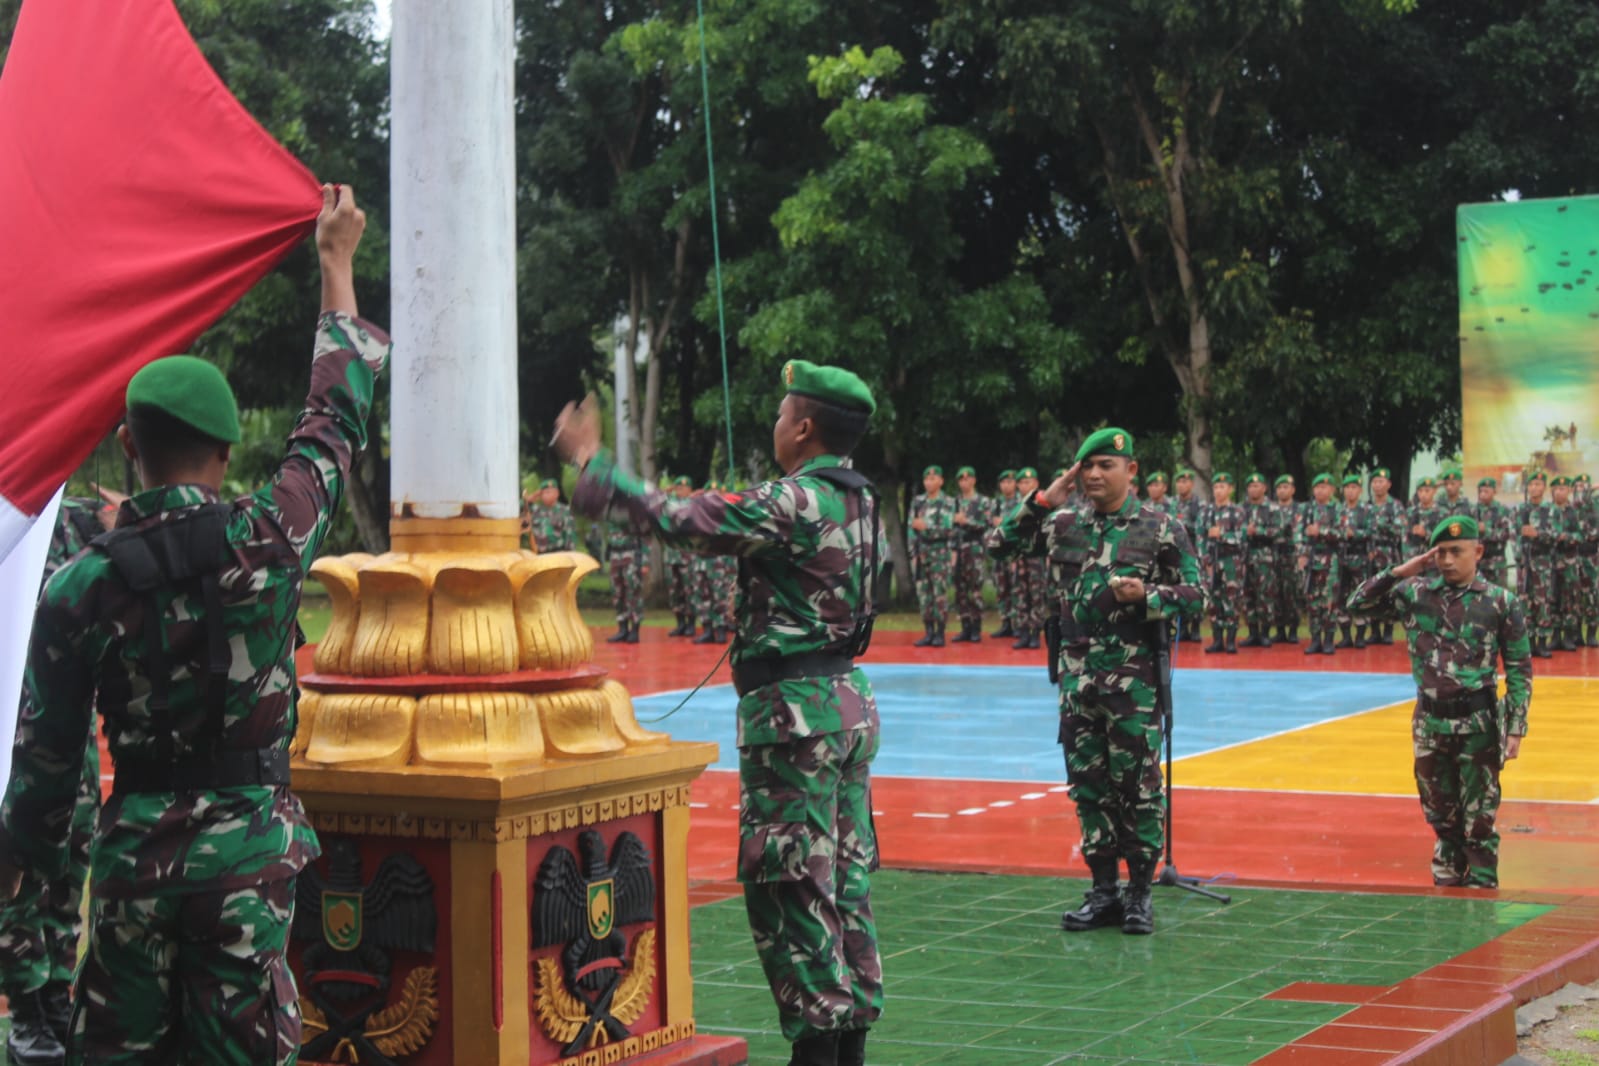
1371, 753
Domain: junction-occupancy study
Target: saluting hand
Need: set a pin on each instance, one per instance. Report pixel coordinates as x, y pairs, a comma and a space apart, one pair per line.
1060, 490
1415, 564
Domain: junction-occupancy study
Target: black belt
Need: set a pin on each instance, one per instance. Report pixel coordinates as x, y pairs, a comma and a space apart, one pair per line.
236, 768
1483, 699
751, 674
1226, 549
1262, 542
1126, 632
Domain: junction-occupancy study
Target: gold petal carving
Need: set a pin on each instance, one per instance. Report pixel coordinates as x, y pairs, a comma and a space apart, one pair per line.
339, 575
362, 729
478, 729
578, 722
391, 633
620, 702
474, 620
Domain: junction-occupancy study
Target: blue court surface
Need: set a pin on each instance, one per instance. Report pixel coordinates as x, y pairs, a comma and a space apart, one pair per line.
998, 723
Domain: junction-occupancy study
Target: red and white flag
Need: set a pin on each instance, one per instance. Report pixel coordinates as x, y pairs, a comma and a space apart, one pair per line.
138, 201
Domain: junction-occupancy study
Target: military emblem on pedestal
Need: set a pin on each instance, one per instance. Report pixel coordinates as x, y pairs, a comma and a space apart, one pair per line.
595, 991
353, 926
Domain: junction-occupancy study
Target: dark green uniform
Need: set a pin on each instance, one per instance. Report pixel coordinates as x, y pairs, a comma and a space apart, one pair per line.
1318, 547
969, 562
1263, 525
1004, 569
1354, 564
933, 556
1537, 566
1226, 541
1496, 522
551, 527
1290, 586
625, 555
198, 846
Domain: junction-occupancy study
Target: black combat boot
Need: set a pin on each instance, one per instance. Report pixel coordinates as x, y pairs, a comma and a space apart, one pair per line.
681, 629
1345, 641
1232, 640
620, 636
1360, 636
1023, 635
977, 638
1138, 903
1385, 633
1327, 645
1593, 637
707, 637
1314, 647
1032, 638
1568, 641
965, 635
938, 635
718, 634
818, 1050
33, 1040
1005, 630
1265, 635
927, 636
1293, 634
1218, 639
1254, 640
1540, 649
1102, 904
852, 1047
632, 633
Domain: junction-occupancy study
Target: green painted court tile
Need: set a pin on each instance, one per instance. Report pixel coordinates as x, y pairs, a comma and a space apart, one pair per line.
1257, 1031
1044, 1044
1187, 1049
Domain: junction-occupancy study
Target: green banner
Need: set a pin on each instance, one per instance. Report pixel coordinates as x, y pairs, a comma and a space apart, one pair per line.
1529, 338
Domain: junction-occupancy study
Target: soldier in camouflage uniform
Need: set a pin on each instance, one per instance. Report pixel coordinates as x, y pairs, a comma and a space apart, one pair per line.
1459, 627
679, 577
1496, 525
1588, 552
713, 578
1128, 567
807, 721
39, 929
1032, 579
1005, 570
1285, 555
933, 536
549, 521
1454, 501
1536, 564
1566, 530
1190, 509
1155, 487
1387, 537
1423, 516
179, 626
626, 557
1354, 559
1225, 543
1318, 560
972, 514
1263, 523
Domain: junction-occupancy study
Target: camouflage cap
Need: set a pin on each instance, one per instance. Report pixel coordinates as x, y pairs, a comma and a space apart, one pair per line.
1027, 471
190, 390
933, 468
1254, 476
1455, 527
1108, 441
966, 471
830, 384
1157, 476
1283, 479
1321, 479
1382, 471
1487, 483
1221, 478
1350, 479
1007, 474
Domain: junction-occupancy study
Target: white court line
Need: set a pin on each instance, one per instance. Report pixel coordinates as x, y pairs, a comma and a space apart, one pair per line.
1034, 795
973, 810
930, 814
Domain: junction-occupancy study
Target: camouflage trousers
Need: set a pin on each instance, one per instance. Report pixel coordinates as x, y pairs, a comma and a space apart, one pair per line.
1457, 778
1225, 589
713, 578
1538, 579
677, 587
1031, 594
1005, 589
199, 979
1260, 589
1112, 744
1566, 609
935, 563
627, 586
1590, 588
1290, 592
969, 581
807, 848
1321, 594
1351, 574
40, 927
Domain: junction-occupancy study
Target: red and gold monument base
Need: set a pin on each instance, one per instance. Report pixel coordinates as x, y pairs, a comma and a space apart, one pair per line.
503, 876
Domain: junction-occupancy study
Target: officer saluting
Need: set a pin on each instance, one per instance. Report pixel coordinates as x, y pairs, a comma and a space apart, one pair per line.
1126, 566
179, 626
810, 546
1458, 626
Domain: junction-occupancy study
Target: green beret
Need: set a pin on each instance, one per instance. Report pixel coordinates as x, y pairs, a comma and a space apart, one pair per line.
1027, 471
830, 384
1561, 480
1156, 476
549, 483
683, 479
1184, 472
1254, 476
1059, 473
1321, 479
1108, 441
934, 469
1581, 479
1382, 471
1487, 483
1221, 479
1350, 479
1455, 527
966, 471
1283, 479
1011, 474
190, 390
1536, 475
709, 486
1451, 472
1426, 483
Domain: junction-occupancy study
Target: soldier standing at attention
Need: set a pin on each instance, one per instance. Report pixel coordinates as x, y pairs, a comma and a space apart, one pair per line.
1454, 501
1536, 562
1588, 508
679, 575
1354, 558
1130, 567
933, 554
1155, 486
1565, 529
624, 553
1262, 522
1032, 595
811, 546
1387, 537
714, 584
1285, 554
1226, 542
179, 627
1189, 510
1459, 628
1318, 559
1005, 570
1495, 526
972, 514
1423, 516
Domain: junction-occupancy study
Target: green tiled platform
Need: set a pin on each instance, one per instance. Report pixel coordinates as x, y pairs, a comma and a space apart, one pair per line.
977, 971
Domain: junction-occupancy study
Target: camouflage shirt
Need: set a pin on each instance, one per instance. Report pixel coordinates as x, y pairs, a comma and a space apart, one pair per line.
1091, 548
978, 509
1494, 521
1263, 523
1354, 534
1425, 517
1457, 635
1541, 518
1321, 547
803, 551
551, 527
939, 513
89, 647
1387, 524
77, 523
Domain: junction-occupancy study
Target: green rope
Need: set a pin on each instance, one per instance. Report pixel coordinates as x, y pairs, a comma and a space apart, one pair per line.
716, 240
